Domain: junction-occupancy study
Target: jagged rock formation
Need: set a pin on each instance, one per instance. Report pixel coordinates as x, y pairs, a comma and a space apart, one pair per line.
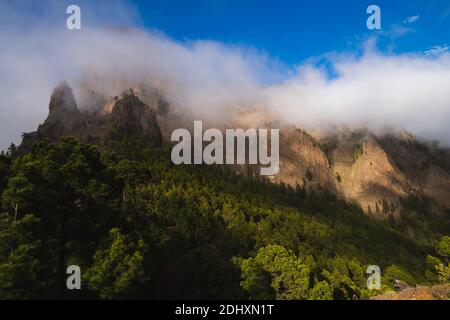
64, 118
128, 116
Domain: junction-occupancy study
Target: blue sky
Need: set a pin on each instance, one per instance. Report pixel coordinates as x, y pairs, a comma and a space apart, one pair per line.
288, 30
292, 31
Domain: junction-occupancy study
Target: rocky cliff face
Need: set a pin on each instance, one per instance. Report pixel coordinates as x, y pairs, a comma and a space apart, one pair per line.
118, 117
374, 171
367, 174
425, 166
377, 172
303, 163
64, 118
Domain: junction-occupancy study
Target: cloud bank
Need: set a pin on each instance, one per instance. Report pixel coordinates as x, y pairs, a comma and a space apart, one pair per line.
405, 92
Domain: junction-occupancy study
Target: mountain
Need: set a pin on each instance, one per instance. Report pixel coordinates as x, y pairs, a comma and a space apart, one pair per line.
376, 171
379, 172
109, 199
124, 117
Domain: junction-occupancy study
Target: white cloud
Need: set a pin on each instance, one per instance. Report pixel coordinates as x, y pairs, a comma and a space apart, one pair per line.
437, 50
406, 91
411, 19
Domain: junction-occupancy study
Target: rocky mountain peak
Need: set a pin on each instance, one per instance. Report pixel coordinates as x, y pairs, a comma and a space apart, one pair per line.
129, 117
62, 102
64, 118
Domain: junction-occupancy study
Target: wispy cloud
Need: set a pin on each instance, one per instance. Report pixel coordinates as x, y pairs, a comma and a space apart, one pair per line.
445, 15
397, 31
437, 50
411, 19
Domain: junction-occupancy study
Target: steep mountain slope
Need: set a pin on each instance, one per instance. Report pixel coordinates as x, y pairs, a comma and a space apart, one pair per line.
304, 163
119, 206
376, 171
367, 174
426, 166
379, 171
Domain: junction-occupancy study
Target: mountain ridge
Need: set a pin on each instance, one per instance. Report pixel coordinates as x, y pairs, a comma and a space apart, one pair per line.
375, 171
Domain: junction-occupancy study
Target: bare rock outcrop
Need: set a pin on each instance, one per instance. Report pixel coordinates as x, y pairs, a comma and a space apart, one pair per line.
128, 117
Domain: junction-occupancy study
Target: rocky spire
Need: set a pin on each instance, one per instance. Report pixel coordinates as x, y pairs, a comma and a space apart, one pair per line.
64, 118
62, 103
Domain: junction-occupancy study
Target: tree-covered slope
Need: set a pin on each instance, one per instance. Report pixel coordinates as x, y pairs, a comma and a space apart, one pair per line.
141, 227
